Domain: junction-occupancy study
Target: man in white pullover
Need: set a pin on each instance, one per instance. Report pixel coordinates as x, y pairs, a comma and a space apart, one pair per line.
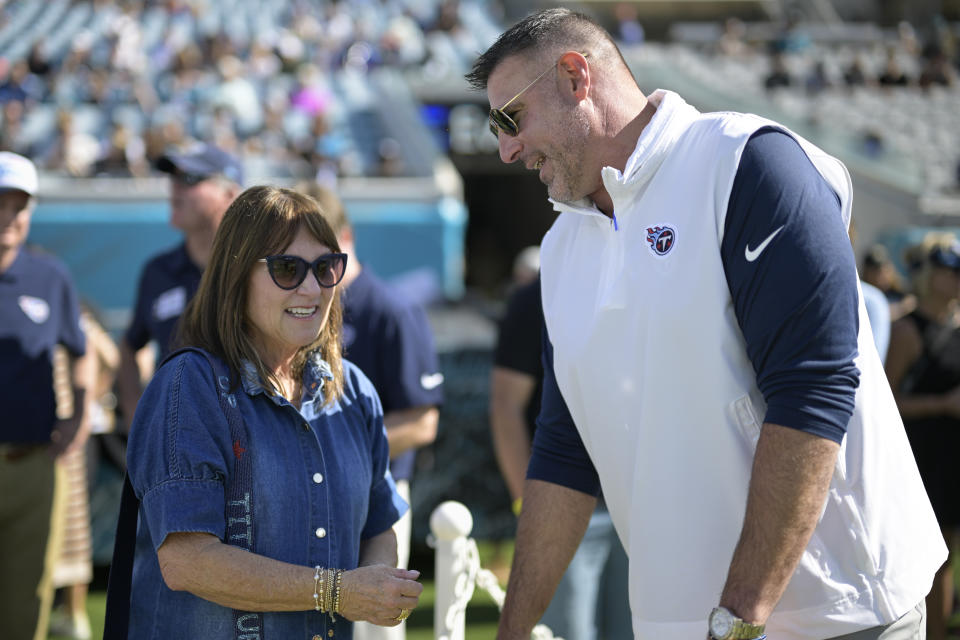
705, 363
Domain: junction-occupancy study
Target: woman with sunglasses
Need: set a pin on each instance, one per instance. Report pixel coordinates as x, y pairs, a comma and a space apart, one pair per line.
259, 454
923, 368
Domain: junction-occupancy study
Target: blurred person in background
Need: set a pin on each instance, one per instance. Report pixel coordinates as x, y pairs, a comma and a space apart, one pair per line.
779, 75
923, 367
855, 74
38, 60
591, 600
122, 155
237, 93
878, 312
705, 362
878, 269
39, 311
259, 455
892, 74
73, 570
733, 39
878, 309
14, 86
937, 69
817, 79
204, 180
167, 134
391, 341
11, 132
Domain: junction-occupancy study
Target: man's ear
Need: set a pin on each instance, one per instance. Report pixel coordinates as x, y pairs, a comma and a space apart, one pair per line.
575, 72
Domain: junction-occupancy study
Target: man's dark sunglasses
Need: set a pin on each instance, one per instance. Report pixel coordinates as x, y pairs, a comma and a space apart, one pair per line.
288, 272
500, 121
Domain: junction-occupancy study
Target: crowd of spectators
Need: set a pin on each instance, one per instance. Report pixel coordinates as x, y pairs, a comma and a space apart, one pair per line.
96, 87
904, 62
892, 93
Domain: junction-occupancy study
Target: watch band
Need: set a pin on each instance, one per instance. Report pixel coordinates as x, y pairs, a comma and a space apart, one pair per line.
746, 631
723, 624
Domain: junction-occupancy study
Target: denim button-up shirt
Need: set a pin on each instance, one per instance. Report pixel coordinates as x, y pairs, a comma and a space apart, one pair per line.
321, 485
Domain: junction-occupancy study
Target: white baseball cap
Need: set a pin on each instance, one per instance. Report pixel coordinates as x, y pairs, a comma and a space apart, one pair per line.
17, 172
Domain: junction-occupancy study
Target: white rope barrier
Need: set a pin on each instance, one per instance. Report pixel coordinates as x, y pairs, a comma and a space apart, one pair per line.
458, 573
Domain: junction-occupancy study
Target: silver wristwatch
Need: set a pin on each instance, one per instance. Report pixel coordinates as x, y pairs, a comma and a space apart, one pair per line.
724, 625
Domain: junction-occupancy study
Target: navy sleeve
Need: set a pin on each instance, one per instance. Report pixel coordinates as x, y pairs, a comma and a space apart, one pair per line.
792, 278
558, 454
518, 340
71, 333
409, 362
137, 334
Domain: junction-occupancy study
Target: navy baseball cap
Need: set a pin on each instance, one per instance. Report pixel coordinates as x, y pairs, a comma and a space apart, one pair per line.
200, 162
948, 257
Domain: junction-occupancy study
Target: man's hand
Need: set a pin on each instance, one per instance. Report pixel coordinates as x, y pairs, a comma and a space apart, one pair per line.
67, 436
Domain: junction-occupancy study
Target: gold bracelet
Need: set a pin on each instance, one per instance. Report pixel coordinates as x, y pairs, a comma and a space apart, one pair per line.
336, 600
328, 595
317, 587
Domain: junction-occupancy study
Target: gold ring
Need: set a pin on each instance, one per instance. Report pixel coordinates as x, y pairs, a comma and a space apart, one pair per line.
404, 614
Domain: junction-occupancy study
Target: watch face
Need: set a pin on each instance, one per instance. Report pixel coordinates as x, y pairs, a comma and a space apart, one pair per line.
721, 623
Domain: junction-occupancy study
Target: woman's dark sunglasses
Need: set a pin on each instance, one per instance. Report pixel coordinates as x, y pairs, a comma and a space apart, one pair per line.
500, 121
288, 272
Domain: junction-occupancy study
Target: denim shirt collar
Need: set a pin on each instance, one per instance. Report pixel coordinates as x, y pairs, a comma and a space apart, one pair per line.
315, 373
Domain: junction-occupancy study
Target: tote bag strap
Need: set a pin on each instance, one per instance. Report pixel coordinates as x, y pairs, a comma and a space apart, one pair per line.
239, 518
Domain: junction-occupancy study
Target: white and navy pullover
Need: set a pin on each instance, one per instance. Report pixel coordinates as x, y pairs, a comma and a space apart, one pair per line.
721, 295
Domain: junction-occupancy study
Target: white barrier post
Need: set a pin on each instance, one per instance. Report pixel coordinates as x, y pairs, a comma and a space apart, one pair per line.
451, 524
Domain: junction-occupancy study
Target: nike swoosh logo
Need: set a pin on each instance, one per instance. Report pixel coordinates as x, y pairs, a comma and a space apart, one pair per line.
431, 380
753, 254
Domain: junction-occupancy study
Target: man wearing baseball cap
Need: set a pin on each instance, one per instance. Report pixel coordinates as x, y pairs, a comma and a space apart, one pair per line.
39, 310
204, 181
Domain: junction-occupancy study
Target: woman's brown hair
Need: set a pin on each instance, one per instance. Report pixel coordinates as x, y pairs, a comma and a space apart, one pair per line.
262, 221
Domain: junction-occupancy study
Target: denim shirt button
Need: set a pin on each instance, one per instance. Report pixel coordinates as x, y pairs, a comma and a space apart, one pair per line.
321, 532
318, 478
306, 426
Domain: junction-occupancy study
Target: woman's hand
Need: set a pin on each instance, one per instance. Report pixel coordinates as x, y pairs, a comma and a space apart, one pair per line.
379, 594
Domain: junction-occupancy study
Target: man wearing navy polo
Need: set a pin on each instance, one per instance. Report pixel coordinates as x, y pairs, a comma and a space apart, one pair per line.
390, 339
39, 310
204, 181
